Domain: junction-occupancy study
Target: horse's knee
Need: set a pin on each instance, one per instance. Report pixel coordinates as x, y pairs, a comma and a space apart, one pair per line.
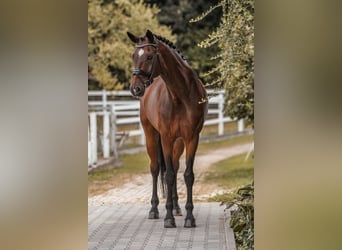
154, 169
189, 177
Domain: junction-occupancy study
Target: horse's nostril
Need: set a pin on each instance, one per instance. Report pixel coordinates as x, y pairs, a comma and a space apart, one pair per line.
137, 90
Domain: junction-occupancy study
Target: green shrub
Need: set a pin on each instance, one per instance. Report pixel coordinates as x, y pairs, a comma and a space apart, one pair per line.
242, 219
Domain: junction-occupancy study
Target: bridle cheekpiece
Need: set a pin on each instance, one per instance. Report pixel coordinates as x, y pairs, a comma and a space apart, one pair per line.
149, 75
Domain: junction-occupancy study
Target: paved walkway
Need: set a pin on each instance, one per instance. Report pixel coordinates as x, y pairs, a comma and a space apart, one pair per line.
127, 227
118, 219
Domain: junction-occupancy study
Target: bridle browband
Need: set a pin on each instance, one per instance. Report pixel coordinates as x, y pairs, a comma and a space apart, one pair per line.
138, 72
147, 44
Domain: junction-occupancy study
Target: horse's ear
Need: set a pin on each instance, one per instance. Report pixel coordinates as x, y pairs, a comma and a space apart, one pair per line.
150, 36
132, 37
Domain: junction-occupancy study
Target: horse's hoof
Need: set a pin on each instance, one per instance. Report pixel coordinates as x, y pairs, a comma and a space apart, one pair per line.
169, 223
153, 215
177, 212
190, 223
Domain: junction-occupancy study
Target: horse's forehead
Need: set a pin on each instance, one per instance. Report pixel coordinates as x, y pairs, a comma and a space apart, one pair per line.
141, 52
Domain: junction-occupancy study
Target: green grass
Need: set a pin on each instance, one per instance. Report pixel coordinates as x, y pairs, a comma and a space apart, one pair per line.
211, 130
230, 174
133, 164
203, 147
104, 180
222, 197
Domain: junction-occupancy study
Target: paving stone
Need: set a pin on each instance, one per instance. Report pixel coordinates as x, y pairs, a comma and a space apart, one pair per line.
127, 227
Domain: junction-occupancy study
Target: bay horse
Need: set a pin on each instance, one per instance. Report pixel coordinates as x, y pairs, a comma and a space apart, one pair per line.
173, 107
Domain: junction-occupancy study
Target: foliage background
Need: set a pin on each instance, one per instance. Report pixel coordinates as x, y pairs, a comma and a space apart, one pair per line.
223, 29
235, 39
109, 49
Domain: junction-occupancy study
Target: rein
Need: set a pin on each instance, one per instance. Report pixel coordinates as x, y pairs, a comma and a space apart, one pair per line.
139, 72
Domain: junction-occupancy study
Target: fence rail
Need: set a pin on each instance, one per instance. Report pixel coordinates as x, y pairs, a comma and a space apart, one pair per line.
120, 112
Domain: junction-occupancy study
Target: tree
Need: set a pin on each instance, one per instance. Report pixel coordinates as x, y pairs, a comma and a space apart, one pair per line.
176, 14
109, 48
235, 39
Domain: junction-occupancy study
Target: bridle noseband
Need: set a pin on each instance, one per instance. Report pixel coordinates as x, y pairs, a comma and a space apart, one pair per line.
138, 72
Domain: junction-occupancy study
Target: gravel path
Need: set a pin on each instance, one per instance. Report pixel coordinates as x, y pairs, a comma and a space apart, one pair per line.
139, 190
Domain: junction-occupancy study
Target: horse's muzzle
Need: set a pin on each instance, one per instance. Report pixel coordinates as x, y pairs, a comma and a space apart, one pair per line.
137, 91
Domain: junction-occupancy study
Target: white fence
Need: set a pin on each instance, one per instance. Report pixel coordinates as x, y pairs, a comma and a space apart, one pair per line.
119, 110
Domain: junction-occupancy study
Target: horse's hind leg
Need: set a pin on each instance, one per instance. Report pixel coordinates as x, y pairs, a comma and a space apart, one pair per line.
152, 138
177, 211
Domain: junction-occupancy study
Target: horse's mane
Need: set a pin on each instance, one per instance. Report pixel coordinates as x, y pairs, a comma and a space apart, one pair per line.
170, 44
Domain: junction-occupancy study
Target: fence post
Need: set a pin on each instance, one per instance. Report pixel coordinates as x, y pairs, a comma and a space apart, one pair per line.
90, 157
113, 132
220, 115
104, 99
241, 125
142, 137
93, 137
106, 134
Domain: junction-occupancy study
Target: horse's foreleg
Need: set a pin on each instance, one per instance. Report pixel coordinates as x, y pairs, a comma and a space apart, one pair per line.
154, 213
170, 177
189, 178
152, 138
176, 209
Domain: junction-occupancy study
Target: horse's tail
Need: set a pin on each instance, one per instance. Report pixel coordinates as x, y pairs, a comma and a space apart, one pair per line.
162, 167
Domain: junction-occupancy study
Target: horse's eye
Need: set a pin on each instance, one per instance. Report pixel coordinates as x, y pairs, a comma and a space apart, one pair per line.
149, 58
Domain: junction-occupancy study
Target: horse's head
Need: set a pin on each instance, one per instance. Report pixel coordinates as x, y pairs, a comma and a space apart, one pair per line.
145, 59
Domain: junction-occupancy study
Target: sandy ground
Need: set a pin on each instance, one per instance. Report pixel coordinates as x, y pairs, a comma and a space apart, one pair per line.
139, 190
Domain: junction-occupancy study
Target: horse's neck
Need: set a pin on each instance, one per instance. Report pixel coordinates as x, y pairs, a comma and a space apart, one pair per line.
178, 76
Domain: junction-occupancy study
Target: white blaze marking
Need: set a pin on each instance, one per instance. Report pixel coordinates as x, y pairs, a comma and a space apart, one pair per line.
141, 52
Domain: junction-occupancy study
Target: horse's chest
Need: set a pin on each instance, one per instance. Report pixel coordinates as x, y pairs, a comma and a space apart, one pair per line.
179, 123
173, 119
